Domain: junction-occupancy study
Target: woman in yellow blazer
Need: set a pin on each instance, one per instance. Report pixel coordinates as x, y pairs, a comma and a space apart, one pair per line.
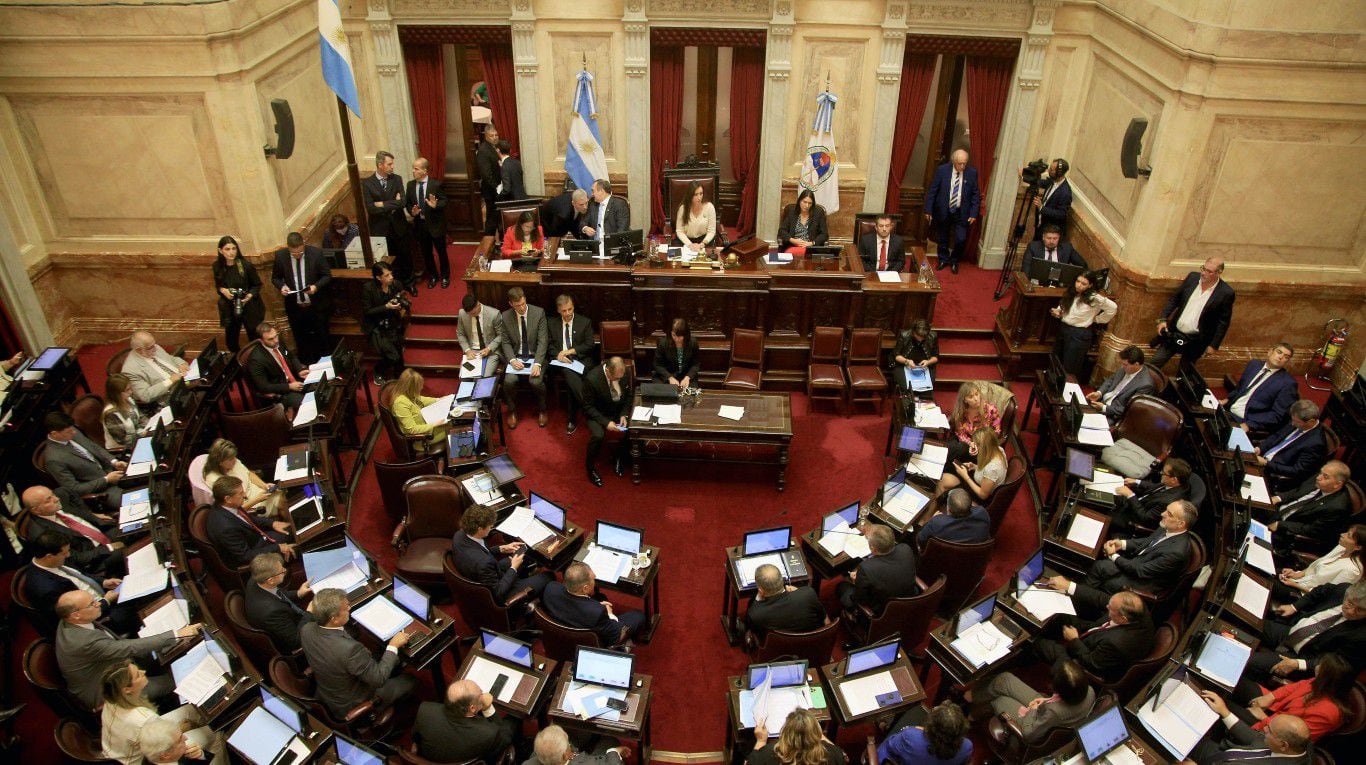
407, 408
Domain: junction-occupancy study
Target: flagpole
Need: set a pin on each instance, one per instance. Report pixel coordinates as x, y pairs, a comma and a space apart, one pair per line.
353, 178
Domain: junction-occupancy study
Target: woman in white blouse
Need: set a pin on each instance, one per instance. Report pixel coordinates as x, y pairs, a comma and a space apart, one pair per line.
126, 710
123, 421
1341, 564
983, 478
695, 224
1082, 307
261, 496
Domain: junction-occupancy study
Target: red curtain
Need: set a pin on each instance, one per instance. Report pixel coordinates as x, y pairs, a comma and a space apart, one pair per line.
501, 79
9, 338
746, 112
427, 89
666, 119
917, 75
988, 80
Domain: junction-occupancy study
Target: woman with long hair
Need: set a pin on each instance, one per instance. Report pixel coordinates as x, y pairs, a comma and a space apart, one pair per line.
1082, 308
983, 478
676, 356
261, 496
126, 709
940, 740
800, 742
407, 409
695, 223
523, 239
123, 420
971, 412
239, 293
802, 225
1341, 565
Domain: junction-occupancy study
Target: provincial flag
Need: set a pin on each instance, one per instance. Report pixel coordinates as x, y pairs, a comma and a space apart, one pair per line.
820, 163
336, 55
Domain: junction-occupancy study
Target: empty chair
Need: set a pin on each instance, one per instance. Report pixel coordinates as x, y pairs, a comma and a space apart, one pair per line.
88, 412
434, 505
78, 743
963, 563
746, 370
824, 378
258, 434
392, 475
1003, 496
45, 676
816, 646
910, 617
560, 640
616, 340
867, 384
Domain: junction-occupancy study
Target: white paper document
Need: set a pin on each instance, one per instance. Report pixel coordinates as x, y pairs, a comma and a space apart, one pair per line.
924, 463
668, 414
608, 566
201, 736
144, 582
1251, 596
1180, 720
192, 373
170, 617
308, 410
138, 469
982, 644
1254, 488
1103, 481
1095, 421
485, 673
317, 374
1085, 530
888, 276
134, 512
382, 617
906, 504
780, 257
483, 489
771, 706
1045, 603
641, 413
524, 525
590, 701
284, 473
1072, 392
1208, 400
1095, 437
164, 417
204, 680
500, 266
731, 412
860, 694
1238, 441
1259, 557
471, 368
930, 417
438, 411
346, 578
843, 539
144, 559
573, 366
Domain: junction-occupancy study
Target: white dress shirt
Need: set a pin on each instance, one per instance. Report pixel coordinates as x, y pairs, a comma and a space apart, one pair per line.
1189, 319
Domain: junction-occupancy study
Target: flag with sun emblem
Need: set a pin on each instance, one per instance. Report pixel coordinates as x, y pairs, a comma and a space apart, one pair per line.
336, 53
820, 165
584, 158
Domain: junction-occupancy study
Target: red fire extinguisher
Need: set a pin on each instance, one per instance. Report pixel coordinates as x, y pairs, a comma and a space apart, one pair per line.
1327, 357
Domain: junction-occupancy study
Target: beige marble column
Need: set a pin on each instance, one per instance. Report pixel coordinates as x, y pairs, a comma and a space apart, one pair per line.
528, 95
18, 294
884, 106
772, 135
399, 136
637, 96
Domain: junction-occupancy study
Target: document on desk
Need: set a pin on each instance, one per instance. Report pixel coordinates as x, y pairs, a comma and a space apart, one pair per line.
1180, 719
472, 368
590, 702
668, 414
860, 694
573, 366
1251, 595
889, 276
731, 412
308, 410
918, 379
1085, 530
483, 488
780, 257
1208, 400
192, 373
1044, 603
135, 507
560, 254
527, 363
746, 567
1238, 440
1223, 659
930, 461
318, 374
930, 417
843, 539
485, 674
203, 681
145, 558
144, 582
171, 616
1103, 481
164, 417
982, 644
608, 566
283, 471
1254, 488
1259, 556
1073, 392
524, 525
906, 504
500, 266
771, 706
439, 410
642, 413
346, 578
382, 617
187, 713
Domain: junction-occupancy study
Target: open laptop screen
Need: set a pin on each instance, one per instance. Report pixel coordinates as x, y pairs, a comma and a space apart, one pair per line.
609, 668
768, 540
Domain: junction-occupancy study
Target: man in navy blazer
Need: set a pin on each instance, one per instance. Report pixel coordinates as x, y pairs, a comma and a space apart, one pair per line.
952, 205
476, 562
607, 214
1055, 199
1154, 563
50, 576
301, 274
889, 572
239, 536
1294, 452
1196, 317
1051, 248
964, 522
573, 603
1265, 391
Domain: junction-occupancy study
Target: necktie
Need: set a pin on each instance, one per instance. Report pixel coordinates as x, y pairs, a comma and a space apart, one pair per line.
567, 343
1278, 447
521, 324
1299, 504
955, 196
1097, 628
616, 391
1300, 636
478, 330
602, 214
89, 585
243, 517
421, 196
882, 255
84, 529
1052, 256
280, 358
82, 451
164, 366
299, 280
1247, 395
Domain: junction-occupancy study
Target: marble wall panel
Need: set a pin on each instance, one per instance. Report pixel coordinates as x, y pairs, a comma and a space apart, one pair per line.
317, 130
567, 51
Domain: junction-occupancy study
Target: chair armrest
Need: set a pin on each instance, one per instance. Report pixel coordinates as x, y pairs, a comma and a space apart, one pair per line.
864, 611
519, 596
360, 711
396, 539
870, 751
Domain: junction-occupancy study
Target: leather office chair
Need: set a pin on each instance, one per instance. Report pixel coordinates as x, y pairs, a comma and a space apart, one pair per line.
79, 743
45, 623
910, 617
88, 412
256, 644
1159, 379
674, 184
251, 398
816, 646
1151, 424
866, 223
746, 360
43, 673
115, 363
258, 435
392, 475
361, 722
616, 340
477, 606
863, 368
434, 506
825, 379
561, 641
228, 577
1010, 744
409, 755
965, 565
1164, 641
1003, 496
1355, 720
509, 211
407, 448
1003, 399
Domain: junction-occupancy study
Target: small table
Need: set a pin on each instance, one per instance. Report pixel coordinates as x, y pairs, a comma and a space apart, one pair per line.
541, 670
424, 655
735, 738
733, 591
634, 724
767, 424
902, 676
640, 583
956, 667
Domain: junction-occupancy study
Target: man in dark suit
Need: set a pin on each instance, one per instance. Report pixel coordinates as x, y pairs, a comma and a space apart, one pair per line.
882, 249
571, 339
964, 521
1284, 741
1052, 249
458, 731
782, 607
1155, 562
1330, 618
1293, 453
511, 169
1196, 317
575, 603
888, 572
952, 205
239, 536
50, 576
1130, 380
80, 465
1055, 199
273, 370
425, 203
564, 215
61, 512
475, 562
607, 214
275, 611
490, 177
1265, 392
1319, 508
1142, 501
525, 339
304, 280
607, 401
383, 195
1105, 647
344, 671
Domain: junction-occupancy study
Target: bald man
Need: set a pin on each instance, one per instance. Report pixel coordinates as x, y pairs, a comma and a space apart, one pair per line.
1284, 741
1196, 317
1106, 647
952, 206
457, 730
151, 370
92, 552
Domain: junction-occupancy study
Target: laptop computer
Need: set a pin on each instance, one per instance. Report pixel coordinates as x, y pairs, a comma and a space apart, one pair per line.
547, 512
1030, 572
621, 539
354, 753
505, 648
610, 669
872, 657
1102, 734
780, 674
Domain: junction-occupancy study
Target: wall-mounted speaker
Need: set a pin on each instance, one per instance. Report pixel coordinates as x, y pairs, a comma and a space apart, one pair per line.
284, 130
1132, 148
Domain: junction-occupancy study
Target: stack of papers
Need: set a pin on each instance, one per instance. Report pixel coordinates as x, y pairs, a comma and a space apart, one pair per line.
1251, 595
574, 366
524, 525
982, 644
500, 266
780, 257
171, 616
1085, 530
772, 705
1095, 430
283, 472
192, 373
1104, 481
669, 414
1258, 556
930, 461
888, 276
145, 575
437, 412
319, 373
843, 539
1180, 720
930, 417
1208, 401
1072, 392
472, 368
308, 410
590, 701
905, 504
1044, 603
202, 682
731, 412
143, 458
164, 417
860, 694
343, 568
642, 413
1238, 440
608, 565
135, 509
382, 617
1254, 488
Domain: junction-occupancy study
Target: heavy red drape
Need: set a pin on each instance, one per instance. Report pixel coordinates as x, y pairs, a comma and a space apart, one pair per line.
501, 79
666, 119
9, 338
988, 80
917, 75
746, 113
427, 90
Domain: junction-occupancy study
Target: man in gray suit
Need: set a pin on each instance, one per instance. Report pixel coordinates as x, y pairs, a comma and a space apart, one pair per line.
151, 370
85, 650
1039, 714
525, 338
1130, 380
552, 748
478, 330
80, 465
346, 674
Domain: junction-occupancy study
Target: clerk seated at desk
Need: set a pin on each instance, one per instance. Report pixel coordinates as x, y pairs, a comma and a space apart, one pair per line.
888, 572
962, 521
576, 604
881, 249
1294, 452
802, 225
238, 536
1141, 502
676, 357
524, 239
782, 607
456, 730
1130, 380
695, 223
476, 562
1107, 646
407, 408
271, 608
1051, 248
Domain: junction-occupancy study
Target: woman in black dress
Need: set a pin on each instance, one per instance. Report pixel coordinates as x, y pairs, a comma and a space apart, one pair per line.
239, 293
803, 225
384, 309
676, 357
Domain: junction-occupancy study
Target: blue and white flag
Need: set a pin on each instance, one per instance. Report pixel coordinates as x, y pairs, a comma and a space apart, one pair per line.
820, 165
584, 159
336, 53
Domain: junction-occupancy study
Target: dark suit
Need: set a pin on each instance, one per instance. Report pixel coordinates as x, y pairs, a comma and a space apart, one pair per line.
581, 341
308, 320
617, 219
490, 175
477, 563
87, 556
43, 588
1142, 383
559, 218
950, 227
266, 376
1213, 323
430, 225
1054, 208
1243, 744
1066, 253
1295, 461
513, 185
443, 736
1145, 506
816, 231
1347, 638
237, 541
277, 614
1323, 516
389, 221
589, 614
383, 327
868, 251
880, 578
976, 527
535, 346
600, 409
1153, 563
80, 475
797, 611
1106, 652
347, 675
1268, 407
666, 361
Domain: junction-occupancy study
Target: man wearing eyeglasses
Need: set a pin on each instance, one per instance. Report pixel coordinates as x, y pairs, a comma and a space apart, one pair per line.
1196, 317
272, 608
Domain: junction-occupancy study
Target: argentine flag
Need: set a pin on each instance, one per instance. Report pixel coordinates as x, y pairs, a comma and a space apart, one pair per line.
336, 55
820, 164
584, 159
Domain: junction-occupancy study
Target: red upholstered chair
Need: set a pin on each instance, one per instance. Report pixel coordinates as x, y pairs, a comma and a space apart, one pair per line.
866, 223
1003, 496
824, 377
866, 381
392, 475
910, 617
1151, 424
965, 564
258, 435
616, 340
88, 412
561, 641
816, 646
435, 505
746, 360
79, 743
476, 603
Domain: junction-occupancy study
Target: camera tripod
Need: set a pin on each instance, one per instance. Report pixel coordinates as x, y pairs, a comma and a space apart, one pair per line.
1017, 230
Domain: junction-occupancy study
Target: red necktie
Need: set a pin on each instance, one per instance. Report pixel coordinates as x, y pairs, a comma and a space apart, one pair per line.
279, 357
1097, 628
882, 256
253, 526
89, 532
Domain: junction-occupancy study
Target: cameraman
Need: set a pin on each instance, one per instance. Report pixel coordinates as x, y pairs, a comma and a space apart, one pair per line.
384, 320
1054, 199
239, 293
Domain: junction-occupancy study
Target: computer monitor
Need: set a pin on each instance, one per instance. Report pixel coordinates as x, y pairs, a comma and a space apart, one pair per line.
623, 539
579, 250
872, 657
353, 753
547, 512
504, 470
899, 477
974, 614
142, 451
599, 667
1047, 272
411, 598
261, 737
506, 648
847, 514
1030, 572
624, 245
208, 357
780, 674
283, 710
1193, 380
912, 440
823, 252
1081, 464
767, 540
1055, 374
1222, 659
1102, 734
49, 359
